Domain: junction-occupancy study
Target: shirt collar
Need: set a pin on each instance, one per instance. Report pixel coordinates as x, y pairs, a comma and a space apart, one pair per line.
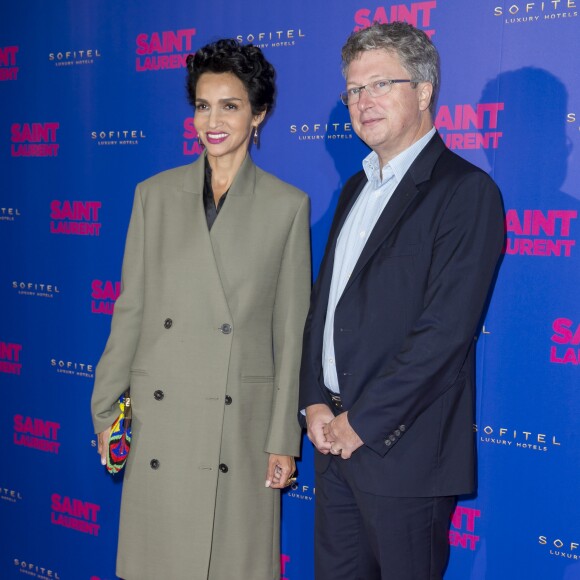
399, 164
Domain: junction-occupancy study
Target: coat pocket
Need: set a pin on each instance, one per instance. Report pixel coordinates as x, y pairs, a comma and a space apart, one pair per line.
257, 379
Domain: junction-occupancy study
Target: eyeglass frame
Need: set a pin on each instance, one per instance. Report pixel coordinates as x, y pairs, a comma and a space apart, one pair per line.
344, 95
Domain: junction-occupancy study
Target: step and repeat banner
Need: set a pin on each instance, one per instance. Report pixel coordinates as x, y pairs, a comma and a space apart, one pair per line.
92, 101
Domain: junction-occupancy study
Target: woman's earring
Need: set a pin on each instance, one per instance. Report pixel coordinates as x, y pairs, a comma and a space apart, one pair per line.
199, 141
255, 135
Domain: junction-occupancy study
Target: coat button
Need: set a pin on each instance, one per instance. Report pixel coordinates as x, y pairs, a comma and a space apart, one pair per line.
388, 442
402, 427
158, 394
392, 438
226, 328
154, 463
397, 432
223, 468
228, 400
168, 323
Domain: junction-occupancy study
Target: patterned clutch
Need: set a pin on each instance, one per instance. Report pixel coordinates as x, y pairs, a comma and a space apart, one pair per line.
120, 438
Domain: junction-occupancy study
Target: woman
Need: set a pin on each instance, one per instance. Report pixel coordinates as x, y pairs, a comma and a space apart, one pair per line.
207, 332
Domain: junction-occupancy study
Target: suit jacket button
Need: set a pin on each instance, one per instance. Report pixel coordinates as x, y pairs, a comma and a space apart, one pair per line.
158, 394
388, 442
397, 432
223, 468
228, 400
392, 438
402, 427
226, 328
154, 463
168, 323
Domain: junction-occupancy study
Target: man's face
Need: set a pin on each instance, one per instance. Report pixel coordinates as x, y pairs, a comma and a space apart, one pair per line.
390, 123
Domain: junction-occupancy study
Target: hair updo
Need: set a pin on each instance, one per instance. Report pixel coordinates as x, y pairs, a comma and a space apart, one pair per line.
246, 62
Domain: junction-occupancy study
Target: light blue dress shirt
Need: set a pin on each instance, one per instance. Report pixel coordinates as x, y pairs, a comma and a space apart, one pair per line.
355, 232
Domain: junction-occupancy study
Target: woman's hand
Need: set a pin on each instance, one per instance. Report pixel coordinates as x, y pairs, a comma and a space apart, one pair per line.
103, 444
281, 468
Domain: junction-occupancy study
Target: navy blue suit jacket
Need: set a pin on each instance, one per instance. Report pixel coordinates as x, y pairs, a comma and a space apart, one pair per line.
405, 327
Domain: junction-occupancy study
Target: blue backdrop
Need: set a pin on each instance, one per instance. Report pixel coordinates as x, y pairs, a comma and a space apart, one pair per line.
93, 101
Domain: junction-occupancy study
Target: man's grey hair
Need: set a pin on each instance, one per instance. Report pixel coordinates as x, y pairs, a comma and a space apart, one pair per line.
416, 52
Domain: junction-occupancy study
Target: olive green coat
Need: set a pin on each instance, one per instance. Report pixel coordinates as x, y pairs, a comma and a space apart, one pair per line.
207, 332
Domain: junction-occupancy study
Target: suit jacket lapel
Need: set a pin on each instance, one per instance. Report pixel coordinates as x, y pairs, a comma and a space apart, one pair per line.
419, 172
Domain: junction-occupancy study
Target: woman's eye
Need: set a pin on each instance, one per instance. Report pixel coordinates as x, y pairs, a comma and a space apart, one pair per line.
200, 107
231, 107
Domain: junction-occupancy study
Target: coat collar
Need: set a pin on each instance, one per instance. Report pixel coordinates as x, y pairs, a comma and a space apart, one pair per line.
244, 182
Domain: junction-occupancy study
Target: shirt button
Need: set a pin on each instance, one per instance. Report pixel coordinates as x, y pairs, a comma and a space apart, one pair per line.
362, 234
223, 468
331, 361
154, 463
226, 328
228, 400
168, 323
158, 394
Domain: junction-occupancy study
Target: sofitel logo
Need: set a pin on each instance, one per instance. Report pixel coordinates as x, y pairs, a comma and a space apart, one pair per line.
10, 358
38, 289
9, 214
35, 570
317, 131
104, 294
162, 50
121, 137
454, 125
74, 57
566, 338
75, 514
34, 139
416, 13
36, 433
301, 492
10, 495
560, 548
8, 68
80, 218
67, 367
508, 437
525, 228
462, 531
526, 12
191, 146
273, 38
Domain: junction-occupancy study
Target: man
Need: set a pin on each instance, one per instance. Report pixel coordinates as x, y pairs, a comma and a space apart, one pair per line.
387, 378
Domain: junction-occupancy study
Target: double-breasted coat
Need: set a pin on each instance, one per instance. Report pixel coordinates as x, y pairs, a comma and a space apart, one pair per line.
207, 332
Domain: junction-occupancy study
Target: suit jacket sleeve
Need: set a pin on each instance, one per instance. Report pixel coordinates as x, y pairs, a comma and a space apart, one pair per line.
113, 371
290, 307
465, 252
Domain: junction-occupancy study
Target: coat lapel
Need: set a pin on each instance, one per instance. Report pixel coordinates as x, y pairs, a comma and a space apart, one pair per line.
201, 250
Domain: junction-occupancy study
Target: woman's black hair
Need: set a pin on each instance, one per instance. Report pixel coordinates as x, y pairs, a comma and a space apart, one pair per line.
246, 62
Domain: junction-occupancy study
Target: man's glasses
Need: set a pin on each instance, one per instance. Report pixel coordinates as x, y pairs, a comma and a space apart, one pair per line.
374, 89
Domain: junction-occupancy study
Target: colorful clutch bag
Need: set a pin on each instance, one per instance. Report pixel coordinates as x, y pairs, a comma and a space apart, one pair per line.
120, 438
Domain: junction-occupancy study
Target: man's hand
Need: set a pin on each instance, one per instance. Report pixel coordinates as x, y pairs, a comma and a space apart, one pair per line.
317, 416
344, 438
